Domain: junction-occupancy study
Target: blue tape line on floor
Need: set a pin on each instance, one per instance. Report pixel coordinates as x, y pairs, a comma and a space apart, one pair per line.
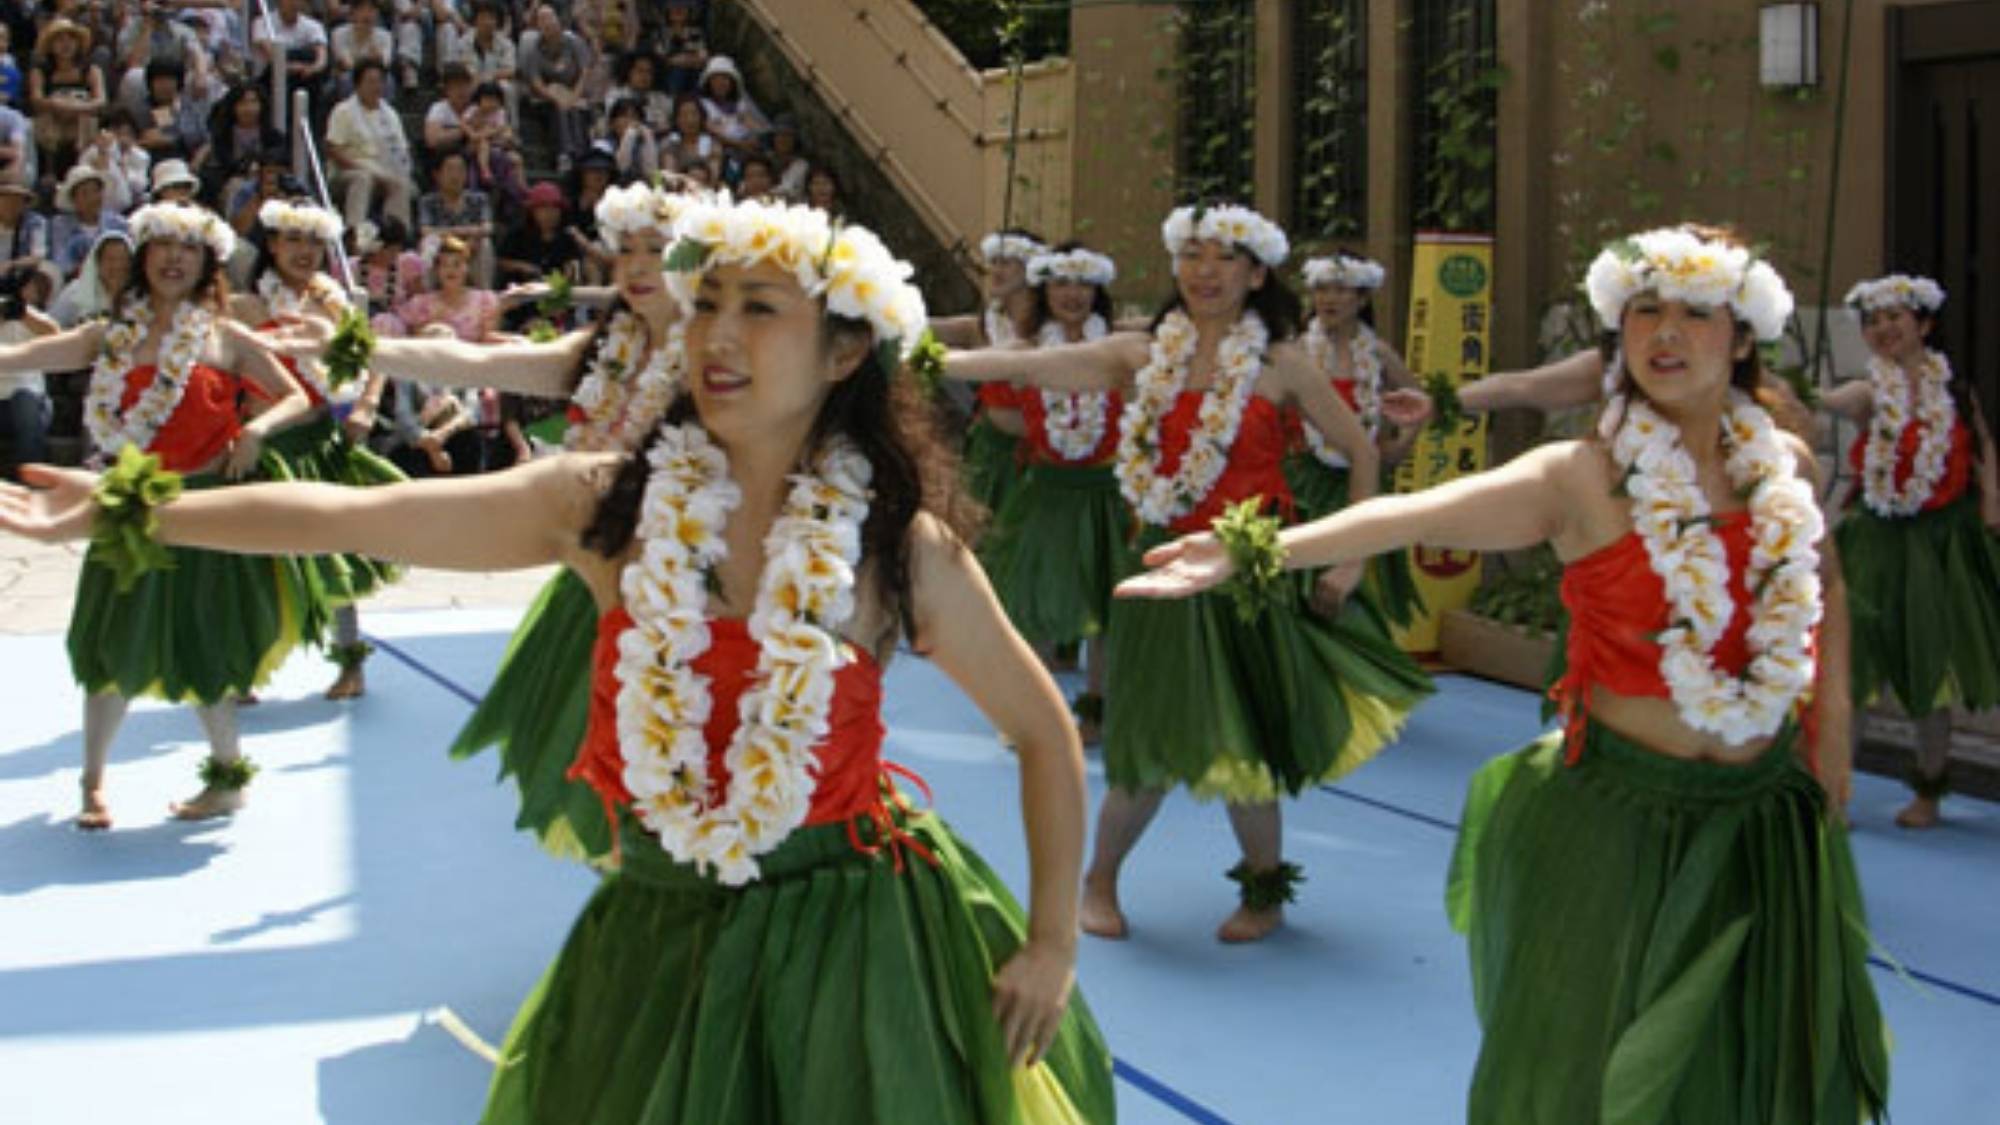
1146, 1083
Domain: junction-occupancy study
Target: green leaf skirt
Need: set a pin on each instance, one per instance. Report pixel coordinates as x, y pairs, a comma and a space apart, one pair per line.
1655, 940
1318, 490
206, 628
1923, 593
1057, 547
839, 989
536, 712
1250, 711
991, 468
318, 451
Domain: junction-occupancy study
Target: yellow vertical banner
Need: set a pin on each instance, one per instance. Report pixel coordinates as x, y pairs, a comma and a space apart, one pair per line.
1451, 310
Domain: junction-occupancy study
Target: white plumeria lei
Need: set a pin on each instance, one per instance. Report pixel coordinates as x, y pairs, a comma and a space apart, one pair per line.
1075, 422
1671, 516
283, 302
182, 222
997, 247
1000, 332
110, 428
634, 208
804, 595
1231, 225
1345, 270
621, 405
1161, 500
845, 265
308, 219
1080, 266
1890, 415
1897, 291
1364, 365
1677, 264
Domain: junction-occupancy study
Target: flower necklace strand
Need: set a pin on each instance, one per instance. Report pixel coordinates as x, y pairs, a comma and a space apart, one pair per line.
1671, 516
1364, 365
804, 596
282, 302
112, 428
613, 408
1935, 413
1160, 500
1074, 422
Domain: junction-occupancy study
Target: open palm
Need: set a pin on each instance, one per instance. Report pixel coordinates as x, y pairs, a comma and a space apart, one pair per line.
1181, 569
303, 338
53, 505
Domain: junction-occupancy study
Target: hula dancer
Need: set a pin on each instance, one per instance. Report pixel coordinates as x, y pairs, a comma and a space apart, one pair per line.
993, 441
619, 377
1340, 337
1922, 558
786, 938
1060, 540
194, 627
290, 283
1232, 703
1659, 901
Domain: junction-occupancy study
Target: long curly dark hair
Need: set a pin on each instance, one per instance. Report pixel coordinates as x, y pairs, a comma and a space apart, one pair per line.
891, 423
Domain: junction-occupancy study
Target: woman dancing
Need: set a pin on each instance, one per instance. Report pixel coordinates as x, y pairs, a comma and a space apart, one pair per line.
993, 441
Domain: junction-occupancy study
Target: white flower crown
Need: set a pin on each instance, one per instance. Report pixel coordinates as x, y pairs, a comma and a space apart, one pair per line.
182, 222
1086, 267
846, 265
308, 219
1677, 264
635, 208
1897, 291
1001, 247
1344, 269
1232, 225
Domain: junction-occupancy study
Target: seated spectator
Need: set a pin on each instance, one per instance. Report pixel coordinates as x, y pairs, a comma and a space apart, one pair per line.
157, 39
263, 178
540, 244
429, 431
732, 117
239, 132
757, 180
690, 143
13, 85
409, 20
24, 398
496, 150
24, 232
96, 289
65, 94
390, 272
173, 183
172, 124
684, 46
444, 121
300, 46
83, 217
454, 209
590, 179
17, 144
553, 62
370, 154
453, 305
123, 160
787, 162
361, 37
490, 55
823, 190
636, 82
635, 154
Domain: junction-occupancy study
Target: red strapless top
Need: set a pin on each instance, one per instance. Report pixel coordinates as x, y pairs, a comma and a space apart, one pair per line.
201, 427
851, 770
1037, 417
1957, 462
999, 396
1617, 605
1295, 432
1256, 460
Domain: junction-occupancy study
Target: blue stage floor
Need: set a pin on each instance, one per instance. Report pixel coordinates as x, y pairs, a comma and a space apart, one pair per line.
291, 965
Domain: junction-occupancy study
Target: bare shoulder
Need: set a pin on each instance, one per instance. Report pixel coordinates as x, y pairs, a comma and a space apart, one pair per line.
937, 554
248, 308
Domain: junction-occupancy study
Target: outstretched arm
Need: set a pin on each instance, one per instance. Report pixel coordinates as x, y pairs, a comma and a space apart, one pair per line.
962, 629
1517, 505
524, 517
539, 370
71, 350
1571, 382
1099, 365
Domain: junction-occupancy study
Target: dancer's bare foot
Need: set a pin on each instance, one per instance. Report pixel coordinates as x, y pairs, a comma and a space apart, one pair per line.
352, 684
210, 803
96, 815
1921, 812
1247, 925
1098, 913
